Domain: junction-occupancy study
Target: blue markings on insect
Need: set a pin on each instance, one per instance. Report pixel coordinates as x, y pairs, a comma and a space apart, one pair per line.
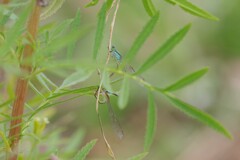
117, 56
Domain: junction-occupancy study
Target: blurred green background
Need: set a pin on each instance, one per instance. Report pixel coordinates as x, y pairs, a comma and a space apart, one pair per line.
178, 137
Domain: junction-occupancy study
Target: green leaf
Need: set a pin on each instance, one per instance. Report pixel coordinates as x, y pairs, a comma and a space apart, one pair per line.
36, 90
52, 8
197, 114
124, 93
81, 155
47, 80
75, 25
60, 43
187, 80
191, 8
77, 77
5, 15
5, 141
142, 37
106, 81
139, 156
109, 4
149, 7
9, 101
164, 49
151, 122
60, 28
15, 32
80, 91
74, 141
99, 31
92, 3
42, 81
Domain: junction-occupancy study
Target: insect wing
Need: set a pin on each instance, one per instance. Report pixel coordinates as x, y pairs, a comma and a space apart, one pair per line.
115, 123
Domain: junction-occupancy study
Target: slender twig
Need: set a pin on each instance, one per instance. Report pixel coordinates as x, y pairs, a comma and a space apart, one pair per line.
108, 12
110, 151
111, 33
22, 83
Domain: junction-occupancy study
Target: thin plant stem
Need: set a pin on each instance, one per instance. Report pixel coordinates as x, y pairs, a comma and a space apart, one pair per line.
22, 83
4, 1
110, 151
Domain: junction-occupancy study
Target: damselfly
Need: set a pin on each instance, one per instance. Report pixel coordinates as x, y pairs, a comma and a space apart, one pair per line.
105, 99
118, 57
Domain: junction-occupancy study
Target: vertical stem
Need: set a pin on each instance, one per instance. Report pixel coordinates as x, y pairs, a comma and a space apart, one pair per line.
5, 1
22, 83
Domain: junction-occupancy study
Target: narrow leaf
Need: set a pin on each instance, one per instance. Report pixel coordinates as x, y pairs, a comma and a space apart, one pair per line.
5, 141
142, 37
77, 77
99, 31
109, 4
36, 90
60, 28
6, 103
81, 155
149, 7
75, 25
139, 156
197, 114
106, 81
60, 43
49, 81
151, 122
6, 15
164, 49
194, 10
124, 93
51, 8
187, 80
15, 32
80, 91
92, 3
74, 141
42, 81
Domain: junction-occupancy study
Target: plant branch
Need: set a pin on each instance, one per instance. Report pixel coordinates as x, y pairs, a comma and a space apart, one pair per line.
4, 1
110, 151
22, 83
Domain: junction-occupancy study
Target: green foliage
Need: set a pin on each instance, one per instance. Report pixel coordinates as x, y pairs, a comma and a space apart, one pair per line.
51, 8
85, 150
14, 32
75, 25
164, 49
149, 7
57, 44
192, 9
100, 30
74, 142
92, 3
52, 40
139, 156
109, 4
5, 141
106, 81
183, 106
197, 114
142, 37
151, 122
187, 80
78, 76
124, 94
